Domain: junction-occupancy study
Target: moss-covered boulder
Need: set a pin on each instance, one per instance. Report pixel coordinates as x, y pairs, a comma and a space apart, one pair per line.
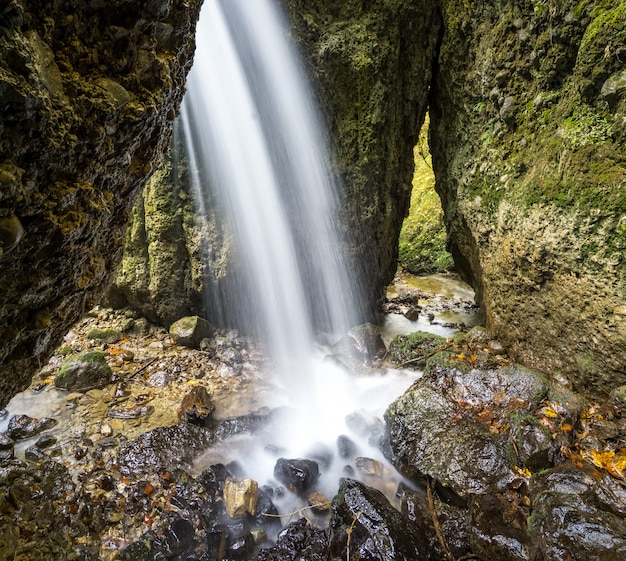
190, 331
84, 372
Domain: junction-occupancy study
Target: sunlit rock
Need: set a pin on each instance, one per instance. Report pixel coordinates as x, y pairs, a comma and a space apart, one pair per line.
240, 497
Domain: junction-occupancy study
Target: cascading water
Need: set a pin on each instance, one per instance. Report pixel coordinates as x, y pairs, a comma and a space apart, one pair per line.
253, 139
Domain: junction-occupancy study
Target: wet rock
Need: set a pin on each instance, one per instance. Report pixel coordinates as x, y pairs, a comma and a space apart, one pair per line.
196, 407
364, 524
84, 372
159, 379
318, 501
346, 448
498, 528
163, 449
600, 428
412, 315
23, 426
453, 523
266, 514
298, 541
179, 536
34, 454
534, 443
296, 474
578, 515
134, 412
241, 546
190, 331
45, 441
240, 497
6, 442
466, 417
369, 466
428, 435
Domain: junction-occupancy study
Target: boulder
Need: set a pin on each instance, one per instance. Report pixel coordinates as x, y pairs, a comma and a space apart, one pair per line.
84, 372
298, 474
196, 407
240, 497
365, 526
190, 331
299, 540
578, 515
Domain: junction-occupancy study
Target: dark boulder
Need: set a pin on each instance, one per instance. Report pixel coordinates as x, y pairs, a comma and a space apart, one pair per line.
364, 525
298, 474
578, 515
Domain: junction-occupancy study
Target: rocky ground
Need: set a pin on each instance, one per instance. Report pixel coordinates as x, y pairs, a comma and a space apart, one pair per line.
501, 463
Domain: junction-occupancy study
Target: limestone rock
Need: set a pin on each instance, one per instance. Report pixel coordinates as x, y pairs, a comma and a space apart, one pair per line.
240, 497
534, 207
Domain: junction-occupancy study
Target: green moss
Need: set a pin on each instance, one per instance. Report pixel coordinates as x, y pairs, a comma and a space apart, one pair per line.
96, 357
586, 126
409, 347
107, 335
422, 242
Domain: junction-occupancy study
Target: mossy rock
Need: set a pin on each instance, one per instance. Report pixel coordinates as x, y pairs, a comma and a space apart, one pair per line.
404, 348
106, 335
84, 372
190, 330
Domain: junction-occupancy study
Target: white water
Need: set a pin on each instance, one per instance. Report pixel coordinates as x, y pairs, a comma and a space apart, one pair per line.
255, 142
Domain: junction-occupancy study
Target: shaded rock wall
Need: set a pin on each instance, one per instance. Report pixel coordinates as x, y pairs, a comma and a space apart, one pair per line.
528, 133
88, 90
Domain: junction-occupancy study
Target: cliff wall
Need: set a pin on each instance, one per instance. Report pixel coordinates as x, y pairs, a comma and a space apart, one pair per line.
528, 133
88, 91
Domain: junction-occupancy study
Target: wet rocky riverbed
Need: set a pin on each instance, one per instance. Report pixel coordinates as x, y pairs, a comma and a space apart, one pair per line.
495, 462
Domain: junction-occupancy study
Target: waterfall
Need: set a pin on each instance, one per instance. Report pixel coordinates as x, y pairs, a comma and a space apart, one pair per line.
254, 140
257, 152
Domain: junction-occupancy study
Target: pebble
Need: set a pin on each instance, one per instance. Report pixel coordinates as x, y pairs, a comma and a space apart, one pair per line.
106, 430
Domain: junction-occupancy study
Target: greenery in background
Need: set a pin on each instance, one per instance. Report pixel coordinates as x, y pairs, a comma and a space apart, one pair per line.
422, 245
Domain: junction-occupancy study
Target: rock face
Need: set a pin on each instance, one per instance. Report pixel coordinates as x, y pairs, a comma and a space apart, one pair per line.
88, 90
527, 135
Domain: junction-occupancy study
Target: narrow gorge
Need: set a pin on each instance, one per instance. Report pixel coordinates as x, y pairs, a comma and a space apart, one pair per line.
127, 301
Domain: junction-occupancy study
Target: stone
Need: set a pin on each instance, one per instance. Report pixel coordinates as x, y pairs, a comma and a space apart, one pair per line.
364, 522
196, 407
297, 475
107, 335
498, 529
346, 447
453, 523
84, 372
190, 331
160, 449
299, 540
240, 497
368, 466
21, 427
469, 458
318, 502
578, 514
6, 442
